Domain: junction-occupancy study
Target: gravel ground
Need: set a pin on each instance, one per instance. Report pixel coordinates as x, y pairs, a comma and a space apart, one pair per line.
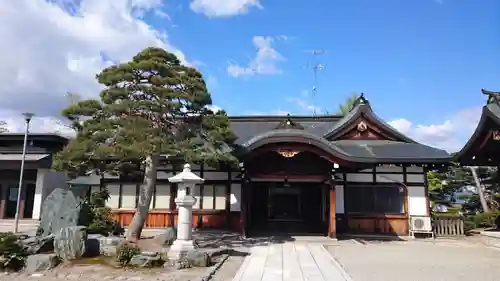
103, 273
431, 260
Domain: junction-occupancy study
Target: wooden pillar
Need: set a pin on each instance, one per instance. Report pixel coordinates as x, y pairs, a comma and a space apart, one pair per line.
22, 205
3, 199
173, 194
244, 208
332, 225
228, 199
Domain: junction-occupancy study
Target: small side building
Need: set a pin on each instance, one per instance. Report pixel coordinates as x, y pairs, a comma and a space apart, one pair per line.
483, 147
38, 179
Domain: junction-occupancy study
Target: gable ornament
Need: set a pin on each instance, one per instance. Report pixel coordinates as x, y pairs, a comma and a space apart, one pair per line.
362, 127
496, 135
288, 153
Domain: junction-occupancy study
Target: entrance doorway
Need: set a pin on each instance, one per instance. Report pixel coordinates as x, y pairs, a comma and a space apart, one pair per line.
293, 208
27, 199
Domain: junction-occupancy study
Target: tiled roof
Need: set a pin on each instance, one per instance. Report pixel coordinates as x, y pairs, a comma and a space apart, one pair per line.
253, 131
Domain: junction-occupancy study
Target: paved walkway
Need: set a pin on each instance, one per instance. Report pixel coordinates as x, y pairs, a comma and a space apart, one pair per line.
290, 262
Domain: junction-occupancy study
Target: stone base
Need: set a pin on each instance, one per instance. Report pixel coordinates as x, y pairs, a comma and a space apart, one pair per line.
180, 248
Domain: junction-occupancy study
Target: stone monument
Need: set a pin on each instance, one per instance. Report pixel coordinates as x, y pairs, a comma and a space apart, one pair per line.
184, 242
60, 209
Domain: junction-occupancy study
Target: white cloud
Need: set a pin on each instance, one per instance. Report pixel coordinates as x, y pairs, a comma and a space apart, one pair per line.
50, 48
39, 124
264, 62
305, 107
451, 134
224, 8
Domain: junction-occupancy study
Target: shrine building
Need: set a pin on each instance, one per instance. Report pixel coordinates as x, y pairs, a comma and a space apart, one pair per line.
326, 175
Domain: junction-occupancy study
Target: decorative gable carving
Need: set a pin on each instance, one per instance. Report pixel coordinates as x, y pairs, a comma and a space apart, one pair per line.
363, 129
288, 123
361, 123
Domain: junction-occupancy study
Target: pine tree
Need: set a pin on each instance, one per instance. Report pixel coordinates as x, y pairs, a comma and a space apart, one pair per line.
150, 106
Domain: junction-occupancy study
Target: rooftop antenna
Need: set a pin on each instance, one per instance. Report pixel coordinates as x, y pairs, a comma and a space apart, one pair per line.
316, 67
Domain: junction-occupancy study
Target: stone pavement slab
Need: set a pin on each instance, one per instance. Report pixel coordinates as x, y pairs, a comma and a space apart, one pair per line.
420, 260
290, 262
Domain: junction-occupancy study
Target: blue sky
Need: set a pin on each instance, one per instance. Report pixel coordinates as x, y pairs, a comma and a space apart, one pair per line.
421, 63
415, 59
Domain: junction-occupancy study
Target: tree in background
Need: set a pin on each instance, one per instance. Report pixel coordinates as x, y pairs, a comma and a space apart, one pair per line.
151, 105
454, 178
348, 104
3, 128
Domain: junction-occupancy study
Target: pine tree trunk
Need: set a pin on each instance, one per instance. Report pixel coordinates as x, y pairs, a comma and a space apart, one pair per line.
145, 197
479, 189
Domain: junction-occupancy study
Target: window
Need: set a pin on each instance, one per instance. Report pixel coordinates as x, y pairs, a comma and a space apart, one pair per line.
214, 197
114, 195
129, 195
162, 196
375, 199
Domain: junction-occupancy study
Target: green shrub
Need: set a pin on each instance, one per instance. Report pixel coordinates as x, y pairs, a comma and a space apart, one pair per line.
469, 225
103, 222
97, 217
98, 199
12, 254
484, 220
125, 251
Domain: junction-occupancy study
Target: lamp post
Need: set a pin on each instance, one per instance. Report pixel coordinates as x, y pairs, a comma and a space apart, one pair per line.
27, 118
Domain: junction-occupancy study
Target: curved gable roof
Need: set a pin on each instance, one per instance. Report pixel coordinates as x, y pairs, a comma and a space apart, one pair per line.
363, 109
355, 151
491, 112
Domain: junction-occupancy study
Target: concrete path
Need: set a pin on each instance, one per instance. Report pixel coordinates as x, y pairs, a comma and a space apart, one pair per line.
290, 262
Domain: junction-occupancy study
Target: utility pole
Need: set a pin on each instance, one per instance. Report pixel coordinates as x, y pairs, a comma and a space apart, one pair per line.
316, 67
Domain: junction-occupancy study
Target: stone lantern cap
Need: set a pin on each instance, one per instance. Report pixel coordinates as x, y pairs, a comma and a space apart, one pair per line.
186, 176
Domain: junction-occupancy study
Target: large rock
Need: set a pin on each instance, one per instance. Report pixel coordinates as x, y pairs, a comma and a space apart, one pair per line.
143, 260
60, 209
168, 237
41, 262
39, 244
198, 258
98, 244
70, 243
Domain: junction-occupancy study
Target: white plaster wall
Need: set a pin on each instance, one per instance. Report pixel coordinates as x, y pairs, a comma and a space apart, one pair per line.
235, 199
162, 196
46, 182
339, 199
114, 195
208, 193
128, 195
220, 197
417, 203
390, 178
353, 177
415, 178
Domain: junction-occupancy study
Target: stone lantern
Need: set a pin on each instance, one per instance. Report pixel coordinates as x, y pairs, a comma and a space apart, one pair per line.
186, 180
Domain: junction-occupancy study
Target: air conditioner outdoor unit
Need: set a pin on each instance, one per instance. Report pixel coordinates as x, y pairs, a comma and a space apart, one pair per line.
420, 224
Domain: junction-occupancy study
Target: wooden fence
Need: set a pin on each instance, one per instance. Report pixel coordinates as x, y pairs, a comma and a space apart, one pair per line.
448, 226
